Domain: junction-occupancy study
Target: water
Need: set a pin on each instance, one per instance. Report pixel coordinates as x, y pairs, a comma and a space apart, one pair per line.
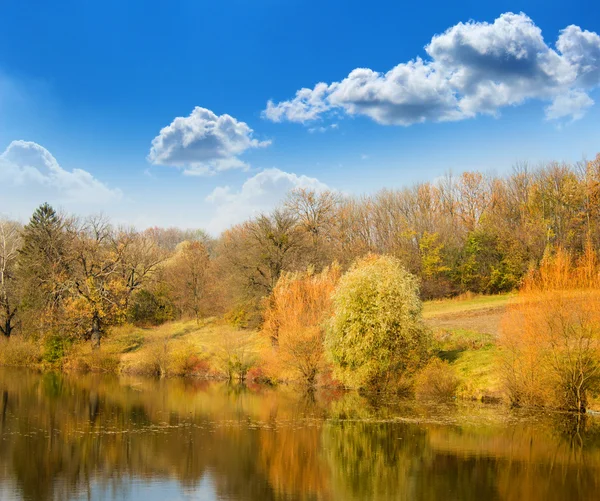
98, 437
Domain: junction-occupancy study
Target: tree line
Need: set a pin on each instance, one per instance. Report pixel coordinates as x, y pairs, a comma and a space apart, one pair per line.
67, 277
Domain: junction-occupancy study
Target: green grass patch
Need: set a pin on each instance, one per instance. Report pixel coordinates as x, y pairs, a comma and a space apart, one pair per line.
479, 373
473, 355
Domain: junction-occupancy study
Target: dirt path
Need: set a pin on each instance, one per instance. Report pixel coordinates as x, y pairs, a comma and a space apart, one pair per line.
485, 320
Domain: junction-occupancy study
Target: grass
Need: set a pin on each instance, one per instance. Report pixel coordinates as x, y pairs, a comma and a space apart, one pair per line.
465, 303
465, 330
473, 355
468, 312
172, 349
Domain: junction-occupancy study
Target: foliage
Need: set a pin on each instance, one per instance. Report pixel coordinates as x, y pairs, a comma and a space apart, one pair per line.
376, 335
436, 381
43, 270
551, 336
295, 321
189, 276
151, 307
80, 278
55, 348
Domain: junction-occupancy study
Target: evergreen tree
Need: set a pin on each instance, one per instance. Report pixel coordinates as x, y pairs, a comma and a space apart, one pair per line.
44, 265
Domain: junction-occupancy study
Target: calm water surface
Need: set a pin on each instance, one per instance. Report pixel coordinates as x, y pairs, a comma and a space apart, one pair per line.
95, 437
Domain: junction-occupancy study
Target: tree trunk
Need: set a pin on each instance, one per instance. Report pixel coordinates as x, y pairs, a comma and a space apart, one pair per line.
8, 322
96, 332
7, 328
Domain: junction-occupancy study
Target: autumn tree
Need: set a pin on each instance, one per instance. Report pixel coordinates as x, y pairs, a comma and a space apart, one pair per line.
295, 321
253, 255
169, 238
99, 291
189, 276
140, 258
10, 242
376, 336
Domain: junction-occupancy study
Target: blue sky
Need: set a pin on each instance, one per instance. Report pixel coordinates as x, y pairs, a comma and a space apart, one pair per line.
86, 87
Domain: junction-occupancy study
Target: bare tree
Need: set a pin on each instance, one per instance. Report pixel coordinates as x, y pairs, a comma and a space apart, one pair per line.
316, 213
10, 242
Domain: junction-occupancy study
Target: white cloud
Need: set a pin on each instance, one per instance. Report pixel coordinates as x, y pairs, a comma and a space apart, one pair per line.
473, 68
573, 104
30, 175
259, 193
323, 128
203, 143
307, 105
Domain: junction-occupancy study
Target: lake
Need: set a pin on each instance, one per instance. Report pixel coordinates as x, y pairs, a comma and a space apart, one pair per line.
95, 437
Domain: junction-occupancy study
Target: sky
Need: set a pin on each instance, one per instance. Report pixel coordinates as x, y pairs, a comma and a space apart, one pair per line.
202, 114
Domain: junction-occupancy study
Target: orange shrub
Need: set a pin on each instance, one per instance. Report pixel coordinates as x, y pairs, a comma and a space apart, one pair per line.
295, 321
551, 335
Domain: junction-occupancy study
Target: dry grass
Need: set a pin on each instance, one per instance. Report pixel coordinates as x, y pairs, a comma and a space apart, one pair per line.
469, 312
19, 352
172, 349
181, 348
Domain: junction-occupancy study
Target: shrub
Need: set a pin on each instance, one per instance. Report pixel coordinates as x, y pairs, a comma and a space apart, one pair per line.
151, 308
235, 353
436, 381
376, 337
295, 319
183, 361
55, 348
155, 360
551, 336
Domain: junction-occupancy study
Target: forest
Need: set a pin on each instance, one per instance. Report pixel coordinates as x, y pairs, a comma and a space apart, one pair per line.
330, 285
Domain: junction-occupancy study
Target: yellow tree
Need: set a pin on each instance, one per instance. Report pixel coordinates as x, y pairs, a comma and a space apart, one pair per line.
100, 292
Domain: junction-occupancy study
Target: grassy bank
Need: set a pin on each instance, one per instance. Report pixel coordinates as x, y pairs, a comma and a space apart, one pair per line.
465, 330
211, 349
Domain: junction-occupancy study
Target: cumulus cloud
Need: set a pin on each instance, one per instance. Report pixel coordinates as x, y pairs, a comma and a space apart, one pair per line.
473, 68
260, 193
30, 175
203, 143
308, 104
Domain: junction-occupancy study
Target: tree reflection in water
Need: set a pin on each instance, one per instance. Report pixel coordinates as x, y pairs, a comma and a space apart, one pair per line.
97, 437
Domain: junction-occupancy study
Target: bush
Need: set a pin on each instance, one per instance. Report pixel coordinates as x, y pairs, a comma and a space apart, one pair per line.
376, 337
551, 337
295, 319
436, 381
55, 348
151, 308
235, 353
166, 358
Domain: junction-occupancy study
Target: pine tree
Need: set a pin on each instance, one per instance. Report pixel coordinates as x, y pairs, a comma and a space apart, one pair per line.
44, 264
